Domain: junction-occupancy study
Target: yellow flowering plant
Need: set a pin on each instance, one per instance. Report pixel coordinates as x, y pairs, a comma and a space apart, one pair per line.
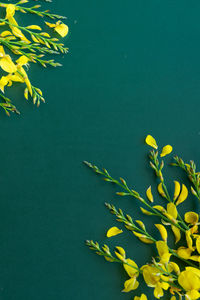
174, 270
21, 45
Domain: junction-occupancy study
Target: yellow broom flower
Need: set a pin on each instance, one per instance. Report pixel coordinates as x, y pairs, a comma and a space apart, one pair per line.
61, 28
190, 281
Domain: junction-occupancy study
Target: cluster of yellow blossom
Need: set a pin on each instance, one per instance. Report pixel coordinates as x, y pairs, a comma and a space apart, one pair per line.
163, 273
22, 45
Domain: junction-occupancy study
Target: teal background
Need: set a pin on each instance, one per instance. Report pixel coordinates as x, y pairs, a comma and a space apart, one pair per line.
133, 68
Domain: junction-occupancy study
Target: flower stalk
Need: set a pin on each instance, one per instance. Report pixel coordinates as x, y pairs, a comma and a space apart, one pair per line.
162, 273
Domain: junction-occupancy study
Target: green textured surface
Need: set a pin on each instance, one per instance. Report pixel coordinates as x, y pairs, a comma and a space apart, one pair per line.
133, 69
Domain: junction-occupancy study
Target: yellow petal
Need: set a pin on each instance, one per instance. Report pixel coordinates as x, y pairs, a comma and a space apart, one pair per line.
16, 31
16, 77
10, 11
195, 258
3, 82
177, 233
194, 270
145, 212
2, 52
151, 141
50, 25
161, 191
183, 195
162, 248
6, 33
23, 60
130, 284
189, 239
158, 292
172, 210
191, 217
166, 150
62, 29
150, 275
177, 189
113, 231
162, 230
174, 267
164, 285
132, 268
193, 295
149, 194
184, 252
36, 27
198, 244
7, 64
34, 39
194, 229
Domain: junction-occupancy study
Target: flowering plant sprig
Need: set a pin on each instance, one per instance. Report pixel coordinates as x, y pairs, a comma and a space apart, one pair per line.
164, 272
21, 45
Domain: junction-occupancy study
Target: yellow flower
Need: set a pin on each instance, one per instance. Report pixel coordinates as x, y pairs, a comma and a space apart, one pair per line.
163, 252
132, 270
21, 73
61, 28
191, 217
190, 281
172, 266
6, 62
3, 82
151, 141
113, 231
189, 239
10, 12
152, 278
171, 213
130, 285
166, 150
